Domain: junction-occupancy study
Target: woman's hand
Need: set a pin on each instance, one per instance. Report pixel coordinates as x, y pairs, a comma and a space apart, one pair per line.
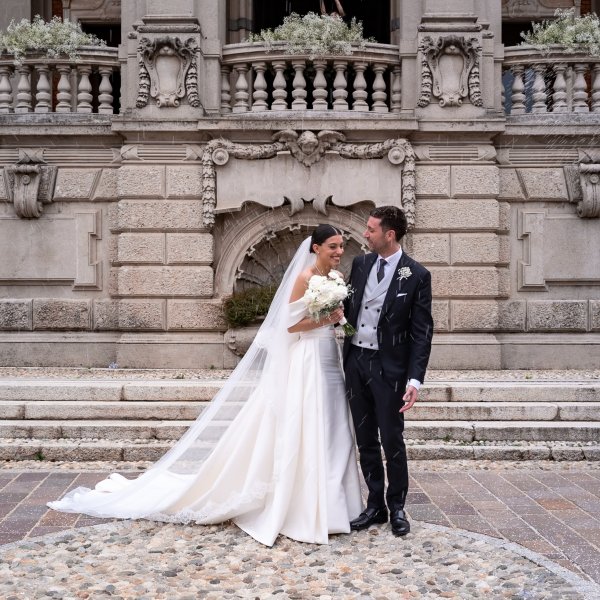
334, 317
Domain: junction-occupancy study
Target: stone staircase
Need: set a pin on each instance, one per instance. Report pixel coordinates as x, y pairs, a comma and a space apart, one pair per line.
134, 420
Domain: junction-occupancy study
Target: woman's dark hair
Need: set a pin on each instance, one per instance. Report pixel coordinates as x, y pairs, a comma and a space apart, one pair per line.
393, 218
323, 232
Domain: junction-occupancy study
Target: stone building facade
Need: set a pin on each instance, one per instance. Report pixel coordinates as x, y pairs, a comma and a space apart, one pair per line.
145, 182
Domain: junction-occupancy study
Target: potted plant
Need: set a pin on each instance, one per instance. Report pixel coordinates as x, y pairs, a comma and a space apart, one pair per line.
573, 34
315, 35
53, 38
244, 311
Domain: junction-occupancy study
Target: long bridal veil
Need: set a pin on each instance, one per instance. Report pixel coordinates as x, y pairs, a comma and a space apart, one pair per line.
260, 377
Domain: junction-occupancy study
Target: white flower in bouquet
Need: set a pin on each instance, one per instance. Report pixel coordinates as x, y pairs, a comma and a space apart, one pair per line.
324, 295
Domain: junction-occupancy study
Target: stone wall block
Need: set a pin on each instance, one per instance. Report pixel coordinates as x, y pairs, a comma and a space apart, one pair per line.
457, 214
129, 314
552, 315
141, 248
544, 184
61, 314
164, 281
189, 248
75, 184
475, 182
140, 181
184, 182
195, 314
155, 215
3, 191
431, 248
595, 315
440, 310
505, 224
433, 181
15, 314
510, 185
467, 282
475, 248
107, 185
488, 315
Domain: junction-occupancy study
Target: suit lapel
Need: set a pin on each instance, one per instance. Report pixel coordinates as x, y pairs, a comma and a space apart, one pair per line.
359, 281
395, 285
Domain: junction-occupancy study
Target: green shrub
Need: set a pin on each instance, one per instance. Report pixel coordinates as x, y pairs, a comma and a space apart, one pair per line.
315, 35
576, 34
243, 308
55, 38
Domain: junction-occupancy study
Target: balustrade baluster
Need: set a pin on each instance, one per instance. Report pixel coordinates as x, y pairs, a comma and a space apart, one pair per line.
279, 87
64, 95
379, 90
596, 88
24, 90
43, 97
105, 97
260, 88
518, 97
299, 86
339, 86
6, 98
396, 89
225, 90
84, 96
320, 84
559, 96
539, 89
360, 87
241, 89
580, 94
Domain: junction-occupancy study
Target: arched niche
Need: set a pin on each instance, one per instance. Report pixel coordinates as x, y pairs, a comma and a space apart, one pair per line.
254, 246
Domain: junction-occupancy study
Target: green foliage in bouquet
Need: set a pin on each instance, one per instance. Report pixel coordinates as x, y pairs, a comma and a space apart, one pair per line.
576, 34
54, 38
315, 35
244, 308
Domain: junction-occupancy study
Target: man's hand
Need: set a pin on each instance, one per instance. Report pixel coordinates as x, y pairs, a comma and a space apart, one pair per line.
410, 397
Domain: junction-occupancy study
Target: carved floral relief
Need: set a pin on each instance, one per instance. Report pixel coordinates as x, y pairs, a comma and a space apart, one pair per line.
450, 71
167, 72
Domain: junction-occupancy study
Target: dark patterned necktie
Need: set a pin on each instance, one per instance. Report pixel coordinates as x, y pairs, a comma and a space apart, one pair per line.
381, 269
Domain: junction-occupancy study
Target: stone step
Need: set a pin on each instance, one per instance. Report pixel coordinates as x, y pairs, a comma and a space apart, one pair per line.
126, 450
461, 431
204, 390
176, 410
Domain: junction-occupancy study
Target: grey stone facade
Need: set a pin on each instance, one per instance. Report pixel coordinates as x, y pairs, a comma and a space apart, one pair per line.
121, 232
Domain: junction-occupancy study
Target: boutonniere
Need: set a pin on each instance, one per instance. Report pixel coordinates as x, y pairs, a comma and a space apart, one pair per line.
404, 273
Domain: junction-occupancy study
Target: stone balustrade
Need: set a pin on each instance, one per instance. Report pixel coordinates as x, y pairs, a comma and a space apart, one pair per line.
59, 85
257, 79
553, 81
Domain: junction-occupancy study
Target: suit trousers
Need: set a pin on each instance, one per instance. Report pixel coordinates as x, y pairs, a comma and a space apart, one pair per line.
375, 404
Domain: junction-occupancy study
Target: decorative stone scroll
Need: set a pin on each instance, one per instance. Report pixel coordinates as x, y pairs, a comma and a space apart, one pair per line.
167, 71
307, 148
583, 183
450, 70
30, 183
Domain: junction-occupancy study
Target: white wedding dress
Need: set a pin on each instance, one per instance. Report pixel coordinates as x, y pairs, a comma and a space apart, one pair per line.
285, 465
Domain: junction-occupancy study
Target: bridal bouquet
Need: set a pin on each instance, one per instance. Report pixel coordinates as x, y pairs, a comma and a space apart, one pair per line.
324, 295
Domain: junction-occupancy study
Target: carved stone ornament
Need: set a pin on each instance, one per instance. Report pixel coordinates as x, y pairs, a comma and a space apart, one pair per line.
450, 71
168, 72
583, 183
30, 183
307, 148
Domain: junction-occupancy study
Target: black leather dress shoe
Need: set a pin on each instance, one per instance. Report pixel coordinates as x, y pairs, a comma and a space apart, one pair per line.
400, 524
369, 517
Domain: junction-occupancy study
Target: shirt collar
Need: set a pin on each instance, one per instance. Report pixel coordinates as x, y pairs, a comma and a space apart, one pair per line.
392, 260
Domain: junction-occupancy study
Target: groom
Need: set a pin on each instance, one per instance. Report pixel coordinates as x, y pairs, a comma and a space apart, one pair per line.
385, 361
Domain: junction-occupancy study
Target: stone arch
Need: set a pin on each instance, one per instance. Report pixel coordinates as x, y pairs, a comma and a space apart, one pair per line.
238, 234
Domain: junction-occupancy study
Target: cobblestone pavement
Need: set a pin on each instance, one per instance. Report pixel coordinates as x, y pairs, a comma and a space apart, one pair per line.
497, 530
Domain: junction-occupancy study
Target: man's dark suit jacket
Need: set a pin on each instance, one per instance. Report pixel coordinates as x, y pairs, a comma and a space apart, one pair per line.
405, 325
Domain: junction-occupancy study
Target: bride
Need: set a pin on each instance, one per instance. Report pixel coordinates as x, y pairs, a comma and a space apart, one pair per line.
286, 463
